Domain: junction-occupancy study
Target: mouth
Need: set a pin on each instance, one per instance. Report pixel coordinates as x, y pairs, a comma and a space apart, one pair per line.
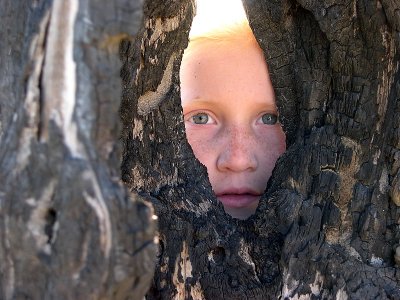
239, 198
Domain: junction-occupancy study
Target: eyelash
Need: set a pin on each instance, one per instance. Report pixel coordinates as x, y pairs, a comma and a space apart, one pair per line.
209, 118
272, 118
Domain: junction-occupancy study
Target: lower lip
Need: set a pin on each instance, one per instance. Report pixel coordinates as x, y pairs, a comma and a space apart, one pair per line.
242, 200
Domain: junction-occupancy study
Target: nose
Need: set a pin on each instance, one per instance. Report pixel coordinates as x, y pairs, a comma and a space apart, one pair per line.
237, 151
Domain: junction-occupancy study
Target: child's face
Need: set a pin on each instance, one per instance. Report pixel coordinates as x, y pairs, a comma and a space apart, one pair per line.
231, 122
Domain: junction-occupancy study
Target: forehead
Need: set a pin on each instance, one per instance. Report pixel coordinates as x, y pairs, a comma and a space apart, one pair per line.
220, 69
208, 48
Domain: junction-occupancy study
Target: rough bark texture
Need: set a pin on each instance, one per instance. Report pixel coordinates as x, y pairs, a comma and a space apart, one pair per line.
203, 252
328, 225
68, 228
339, 62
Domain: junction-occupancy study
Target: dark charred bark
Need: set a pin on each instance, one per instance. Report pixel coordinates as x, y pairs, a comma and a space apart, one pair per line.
69, 229
328, 225
203, 252
339, 62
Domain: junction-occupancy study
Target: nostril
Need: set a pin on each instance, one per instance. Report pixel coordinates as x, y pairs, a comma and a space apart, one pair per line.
237, 158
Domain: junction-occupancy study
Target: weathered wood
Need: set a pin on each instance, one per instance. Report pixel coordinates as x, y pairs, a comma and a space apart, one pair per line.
340, 63
203, 252
329, 223
69, 229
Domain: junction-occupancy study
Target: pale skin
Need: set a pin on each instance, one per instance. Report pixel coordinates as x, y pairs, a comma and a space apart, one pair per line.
231, 121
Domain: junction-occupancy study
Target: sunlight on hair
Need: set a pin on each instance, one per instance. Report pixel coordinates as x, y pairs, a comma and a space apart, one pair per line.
212, 14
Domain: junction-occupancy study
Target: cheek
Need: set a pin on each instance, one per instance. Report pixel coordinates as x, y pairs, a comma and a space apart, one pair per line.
280, 138
202, 145
272, 146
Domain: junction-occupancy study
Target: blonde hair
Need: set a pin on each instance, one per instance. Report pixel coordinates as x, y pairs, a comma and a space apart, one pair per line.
234, 33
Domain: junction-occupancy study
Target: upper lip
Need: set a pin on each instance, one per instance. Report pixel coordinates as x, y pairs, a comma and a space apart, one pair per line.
238, 191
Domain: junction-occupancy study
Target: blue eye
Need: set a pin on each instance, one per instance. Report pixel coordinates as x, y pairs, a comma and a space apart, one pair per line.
269, 119
200, 118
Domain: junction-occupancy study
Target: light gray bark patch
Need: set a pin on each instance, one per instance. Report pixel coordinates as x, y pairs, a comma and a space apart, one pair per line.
152, 99
59, 75
98, 204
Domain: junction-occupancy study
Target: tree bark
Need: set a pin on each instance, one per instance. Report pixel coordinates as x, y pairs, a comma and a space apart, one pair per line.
328, 224
340, 61
69, 228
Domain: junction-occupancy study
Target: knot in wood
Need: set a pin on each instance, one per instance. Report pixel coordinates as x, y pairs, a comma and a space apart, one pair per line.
217, 255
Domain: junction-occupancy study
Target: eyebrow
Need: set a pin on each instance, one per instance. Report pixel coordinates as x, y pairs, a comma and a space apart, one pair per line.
259, 105
199, 101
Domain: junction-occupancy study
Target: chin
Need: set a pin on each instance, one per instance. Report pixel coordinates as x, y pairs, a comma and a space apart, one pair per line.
241, 213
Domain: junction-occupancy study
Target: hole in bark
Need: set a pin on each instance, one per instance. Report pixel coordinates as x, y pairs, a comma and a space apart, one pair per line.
51, 218
229, 108
217, 255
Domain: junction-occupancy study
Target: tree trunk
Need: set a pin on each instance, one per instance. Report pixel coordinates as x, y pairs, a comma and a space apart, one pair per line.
69, 229
328, 224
